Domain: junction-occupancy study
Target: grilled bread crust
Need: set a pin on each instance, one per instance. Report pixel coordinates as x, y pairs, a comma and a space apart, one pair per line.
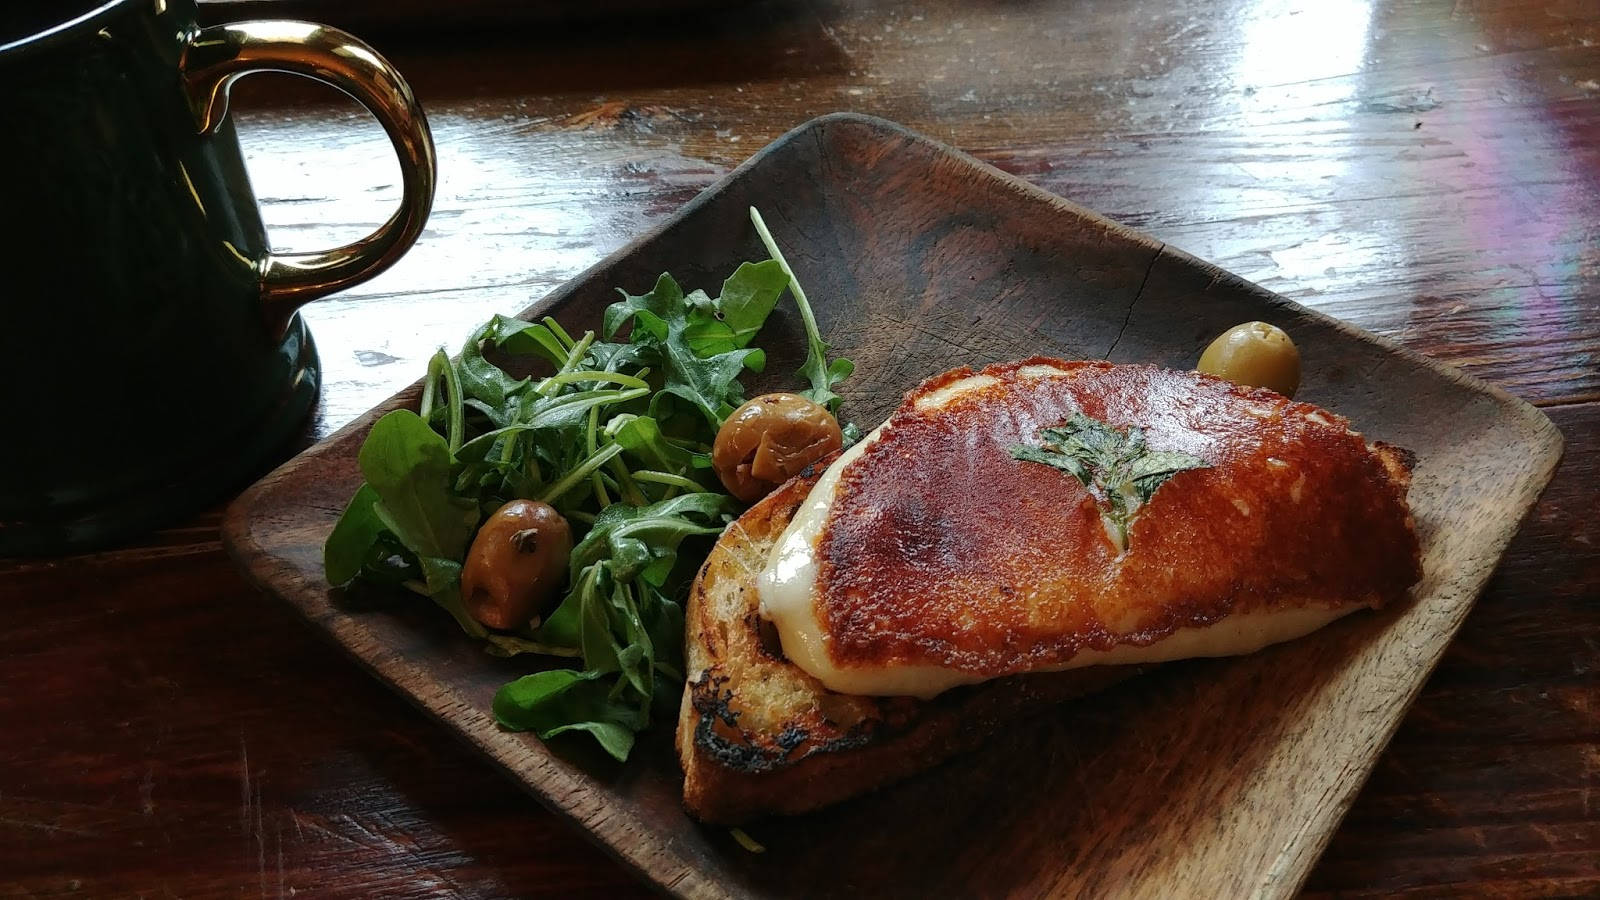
758, 736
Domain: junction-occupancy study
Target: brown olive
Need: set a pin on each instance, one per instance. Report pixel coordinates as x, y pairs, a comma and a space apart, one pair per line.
515, 564
769, 440
1254, 354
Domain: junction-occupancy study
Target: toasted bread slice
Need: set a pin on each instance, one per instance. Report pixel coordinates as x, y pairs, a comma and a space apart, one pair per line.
758, 736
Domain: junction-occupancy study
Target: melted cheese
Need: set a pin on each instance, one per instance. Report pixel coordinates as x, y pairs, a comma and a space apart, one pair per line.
785, 586
788, 583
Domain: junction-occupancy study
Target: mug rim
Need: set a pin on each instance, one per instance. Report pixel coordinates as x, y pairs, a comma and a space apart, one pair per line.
63, 31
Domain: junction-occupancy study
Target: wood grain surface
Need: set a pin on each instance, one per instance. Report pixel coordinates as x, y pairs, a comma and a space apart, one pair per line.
1422, 169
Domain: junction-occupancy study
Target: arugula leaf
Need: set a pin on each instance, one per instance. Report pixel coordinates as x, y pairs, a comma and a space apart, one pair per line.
710, 327
607, 357
733, 319
816, 369
641, 437
616, 535
663, 622
485, 384
648, 312
659, 527
661, 323
521, 338
557, 701
407, 464
710, 384
358, 530
540, 412
451, 414
1118, 467
602, 651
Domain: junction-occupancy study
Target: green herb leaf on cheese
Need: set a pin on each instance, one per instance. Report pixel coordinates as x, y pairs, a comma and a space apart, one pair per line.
1117, 466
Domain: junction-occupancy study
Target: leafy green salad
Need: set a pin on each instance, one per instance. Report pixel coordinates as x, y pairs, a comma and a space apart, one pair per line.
594, 452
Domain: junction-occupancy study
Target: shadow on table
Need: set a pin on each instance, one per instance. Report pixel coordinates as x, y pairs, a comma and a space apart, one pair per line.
483, 55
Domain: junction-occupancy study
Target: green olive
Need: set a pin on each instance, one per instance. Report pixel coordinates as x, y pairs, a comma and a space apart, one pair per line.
515, 564
1254, 354
769, 440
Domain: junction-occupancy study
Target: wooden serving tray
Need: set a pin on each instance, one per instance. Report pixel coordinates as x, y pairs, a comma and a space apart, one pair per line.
1217, 778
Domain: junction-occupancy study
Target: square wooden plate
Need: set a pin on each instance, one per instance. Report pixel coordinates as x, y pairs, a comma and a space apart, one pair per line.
1210, 778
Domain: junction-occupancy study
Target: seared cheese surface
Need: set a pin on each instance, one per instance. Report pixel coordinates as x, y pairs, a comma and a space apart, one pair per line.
926, 557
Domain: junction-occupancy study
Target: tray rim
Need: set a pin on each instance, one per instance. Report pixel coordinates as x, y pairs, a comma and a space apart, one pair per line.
1293, 864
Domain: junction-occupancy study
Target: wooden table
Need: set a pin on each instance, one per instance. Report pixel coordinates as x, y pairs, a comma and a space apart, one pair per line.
1426, 170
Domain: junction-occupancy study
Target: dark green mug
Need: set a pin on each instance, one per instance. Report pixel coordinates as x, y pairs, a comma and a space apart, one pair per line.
153, 356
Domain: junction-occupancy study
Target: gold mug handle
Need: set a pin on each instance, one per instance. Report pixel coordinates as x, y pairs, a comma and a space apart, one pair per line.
217, 56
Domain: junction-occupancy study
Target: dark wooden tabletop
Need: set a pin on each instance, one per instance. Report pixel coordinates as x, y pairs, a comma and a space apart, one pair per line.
1426, 170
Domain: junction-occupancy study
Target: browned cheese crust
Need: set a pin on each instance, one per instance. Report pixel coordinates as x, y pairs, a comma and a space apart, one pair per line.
943, 550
